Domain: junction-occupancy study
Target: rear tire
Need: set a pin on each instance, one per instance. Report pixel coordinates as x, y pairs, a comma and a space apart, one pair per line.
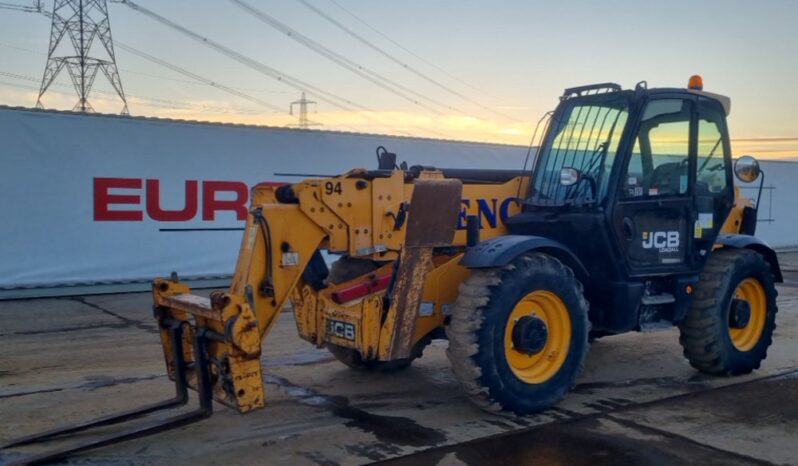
347, 268
714, 339
497, 369
354, 360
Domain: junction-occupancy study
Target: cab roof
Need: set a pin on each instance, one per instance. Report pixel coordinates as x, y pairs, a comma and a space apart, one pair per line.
610, 88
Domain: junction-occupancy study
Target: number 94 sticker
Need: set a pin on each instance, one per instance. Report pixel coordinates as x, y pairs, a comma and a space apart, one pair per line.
330, 187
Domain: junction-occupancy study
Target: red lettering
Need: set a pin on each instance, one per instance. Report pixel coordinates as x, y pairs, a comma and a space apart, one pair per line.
210, 205
154, 210
103, 199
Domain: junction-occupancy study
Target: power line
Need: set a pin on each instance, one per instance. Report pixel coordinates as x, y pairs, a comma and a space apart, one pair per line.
329, 97
103, 8
170, 104
16, 47
197, 77
362, 71
155, 76
185, 106
17, 7
398, 61
154, 102
162, 103
260, 67
198, 83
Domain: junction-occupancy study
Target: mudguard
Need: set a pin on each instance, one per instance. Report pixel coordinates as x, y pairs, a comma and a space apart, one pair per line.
732, 240
500, 250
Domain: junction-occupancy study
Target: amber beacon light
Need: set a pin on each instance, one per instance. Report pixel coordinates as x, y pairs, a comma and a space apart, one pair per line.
696, 82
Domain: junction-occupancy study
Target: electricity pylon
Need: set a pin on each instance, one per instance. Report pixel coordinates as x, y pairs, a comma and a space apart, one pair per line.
82, 21
303, 112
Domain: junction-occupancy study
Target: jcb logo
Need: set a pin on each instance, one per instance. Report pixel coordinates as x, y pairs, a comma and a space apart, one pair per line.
340, 329
664, 241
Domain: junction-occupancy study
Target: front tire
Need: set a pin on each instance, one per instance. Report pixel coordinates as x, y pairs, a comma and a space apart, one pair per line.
518, 334
730, 324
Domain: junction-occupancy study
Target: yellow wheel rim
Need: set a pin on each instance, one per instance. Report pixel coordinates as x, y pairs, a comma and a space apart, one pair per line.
752, 291
541, 366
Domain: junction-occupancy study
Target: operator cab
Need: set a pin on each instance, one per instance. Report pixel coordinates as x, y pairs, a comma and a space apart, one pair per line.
637, 184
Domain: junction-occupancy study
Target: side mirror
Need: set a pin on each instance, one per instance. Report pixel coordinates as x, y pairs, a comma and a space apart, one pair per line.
569, 176
746, 168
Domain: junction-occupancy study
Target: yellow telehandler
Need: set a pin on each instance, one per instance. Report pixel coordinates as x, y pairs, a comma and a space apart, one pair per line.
629, 219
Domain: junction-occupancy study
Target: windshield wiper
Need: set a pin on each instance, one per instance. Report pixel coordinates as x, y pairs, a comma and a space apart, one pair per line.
711, 153
597, 155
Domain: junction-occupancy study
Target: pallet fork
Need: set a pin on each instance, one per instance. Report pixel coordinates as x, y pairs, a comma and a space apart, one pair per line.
205, 409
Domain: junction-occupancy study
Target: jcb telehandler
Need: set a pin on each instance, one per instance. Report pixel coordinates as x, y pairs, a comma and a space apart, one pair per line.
628, 220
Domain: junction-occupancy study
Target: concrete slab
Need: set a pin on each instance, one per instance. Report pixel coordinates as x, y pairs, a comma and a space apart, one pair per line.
751, 423
759, 417
73, 358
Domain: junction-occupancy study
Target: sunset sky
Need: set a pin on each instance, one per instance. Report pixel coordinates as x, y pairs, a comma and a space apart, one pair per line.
472, 70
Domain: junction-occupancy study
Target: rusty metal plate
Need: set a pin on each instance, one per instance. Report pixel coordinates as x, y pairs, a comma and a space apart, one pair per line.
405, 300
193, 304
433, 211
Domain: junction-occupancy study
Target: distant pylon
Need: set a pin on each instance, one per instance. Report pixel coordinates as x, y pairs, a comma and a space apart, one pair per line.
303, 112
82, 21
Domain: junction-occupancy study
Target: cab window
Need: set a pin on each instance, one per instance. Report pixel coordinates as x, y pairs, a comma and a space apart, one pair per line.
659, 162
711, 166
585, 136
713, 187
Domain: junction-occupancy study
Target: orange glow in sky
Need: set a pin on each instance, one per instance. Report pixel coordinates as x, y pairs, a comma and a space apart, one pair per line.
477, 71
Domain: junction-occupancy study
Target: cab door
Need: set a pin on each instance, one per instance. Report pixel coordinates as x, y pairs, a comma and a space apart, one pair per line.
654, 212
714, 187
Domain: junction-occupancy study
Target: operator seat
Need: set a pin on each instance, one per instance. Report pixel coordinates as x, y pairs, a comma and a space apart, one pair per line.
667, 178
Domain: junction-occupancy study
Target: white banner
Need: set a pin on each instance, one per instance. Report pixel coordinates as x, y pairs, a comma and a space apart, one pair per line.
94, 198
98, 198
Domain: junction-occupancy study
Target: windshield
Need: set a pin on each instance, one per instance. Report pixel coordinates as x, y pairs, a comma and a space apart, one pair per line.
585, 136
